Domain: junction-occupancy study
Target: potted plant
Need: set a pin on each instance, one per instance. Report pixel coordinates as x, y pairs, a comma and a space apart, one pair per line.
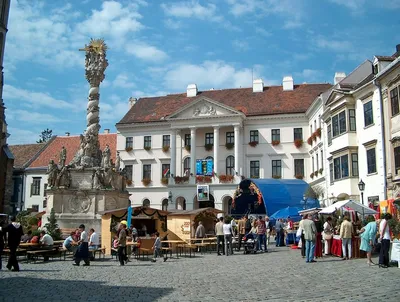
229, 146
253, 143
181, 180
208, 147
310, 141
298, 143
275, 142
225, 178
276, 177
164, 181
321, 170
165, 148
128, 149
199, 179
316, 173
187, 148
318, 132
146, 181
128, 182
299, 176
312, 175
147, 148
207, 179
314, 136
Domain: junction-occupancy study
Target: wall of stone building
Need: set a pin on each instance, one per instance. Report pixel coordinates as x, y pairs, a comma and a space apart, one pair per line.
9, 187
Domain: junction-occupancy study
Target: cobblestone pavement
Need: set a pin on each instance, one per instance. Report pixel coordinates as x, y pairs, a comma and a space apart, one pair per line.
280, 275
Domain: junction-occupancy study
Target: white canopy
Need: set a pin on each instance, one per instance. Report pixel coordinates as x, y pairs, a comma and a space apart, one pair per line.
356, 206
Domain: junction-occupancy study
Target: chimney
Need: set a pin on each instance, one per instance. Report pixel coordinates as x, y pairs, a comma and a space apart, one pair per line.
258, 85
287, 83
191, 90
397, 48
67, 133
106, 131
338, 77
132, 101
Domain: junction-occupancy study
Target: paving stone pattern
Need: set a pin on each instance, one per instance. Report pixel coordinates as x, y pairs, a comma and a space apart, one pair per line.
281, 275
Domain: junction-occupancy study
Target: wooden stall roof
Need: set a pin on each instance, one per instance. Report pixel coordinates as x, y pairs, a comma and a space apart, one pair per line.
133, 209
194, 212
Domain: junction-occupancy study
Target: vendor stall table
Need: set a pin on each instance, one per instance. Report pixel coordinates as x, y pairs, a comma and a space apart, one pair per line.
336, 247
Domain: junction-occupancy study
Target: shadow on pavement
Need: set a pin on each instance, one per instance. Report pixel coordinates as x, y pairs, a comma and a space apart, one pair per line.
35, 289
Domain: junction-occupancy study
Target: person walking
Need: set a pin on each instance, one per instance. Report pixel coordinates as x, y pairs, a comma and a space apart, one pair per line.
228, 233
14, 233
384, 236
310, 232
318, 239
122, 243
83, 250
242, 231
368, 235
346, 233
200, 233
261, 230
279, 233
219, 232
303, 241
268, 226
327, 235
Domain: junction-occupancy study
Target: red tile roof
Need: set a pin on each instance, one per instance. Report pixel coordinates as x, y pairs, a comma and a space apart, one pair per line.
273, 100
23, 154
71, 143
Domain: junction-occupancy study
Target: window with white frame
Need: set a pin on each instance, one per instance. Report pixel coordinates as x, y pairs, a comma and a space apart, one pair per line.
299, 167
209, 139
329, 130
186, 166
297, 133
230, 138
277, 168
129, 142
147, 142
396, 153
394, 100
317, 161
35, 186
147, 171
187, 140
339, 123
128, 172
368, 114
352, 120
230, 165
354, 164
254, 136
276, 135
254, 169
341, 167
166, 141
331, 173
322, 159
146, 203
371, 160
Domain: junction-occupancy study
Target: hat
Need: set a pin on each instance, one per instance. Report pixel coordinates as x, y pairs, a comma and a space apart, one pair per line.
124, 222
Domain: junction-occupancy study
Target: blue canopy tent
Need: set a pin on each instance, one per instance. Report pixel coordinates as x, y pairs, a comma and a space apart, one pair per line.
292, 212
276, 194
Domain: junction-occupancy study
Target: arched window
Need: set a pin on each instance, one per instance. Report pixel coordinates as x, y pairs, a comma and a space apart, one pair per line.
230, 165
180, 203
212, 159
165, 204
146, 203
186, 166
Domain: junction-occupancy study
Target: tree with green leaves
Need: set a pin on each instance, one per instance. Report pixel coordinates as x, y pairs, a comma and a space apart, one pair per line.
45, 136
52, 227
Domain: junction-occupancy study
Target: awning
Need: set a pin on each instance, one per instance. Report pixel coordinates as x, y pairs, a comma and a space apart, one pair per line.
356, 206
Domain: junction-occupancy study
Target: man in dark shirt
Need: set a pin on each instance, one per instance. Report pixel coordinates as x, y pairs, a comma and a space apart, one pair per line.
279, 233
14, 232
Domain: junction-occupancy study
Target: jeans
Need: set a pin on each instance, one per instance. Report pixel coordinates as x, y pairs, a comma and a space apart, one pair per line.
310, 248
121, 255
156, 253
262, 240
384, 254
346, 242
280, 238
228, 239
221, 240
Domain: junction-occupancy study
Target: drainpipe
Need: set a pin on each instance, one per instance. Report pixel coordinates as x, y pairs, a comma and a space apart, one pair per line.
378, 85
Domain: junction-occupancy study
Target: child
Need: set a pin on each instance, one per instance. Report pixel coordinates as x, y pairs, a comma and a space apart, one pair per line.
115, 242
157, 246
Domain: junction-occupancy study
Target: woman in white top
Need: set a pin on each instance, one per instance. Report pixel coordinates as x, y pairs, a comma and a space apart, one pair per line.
228, 232
327, 235
384, 236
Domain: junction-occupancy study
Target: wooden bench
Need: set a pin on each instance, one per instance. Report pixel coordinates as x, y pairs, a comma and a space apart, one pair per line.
100, 251
45, 253
146, 246
191, 247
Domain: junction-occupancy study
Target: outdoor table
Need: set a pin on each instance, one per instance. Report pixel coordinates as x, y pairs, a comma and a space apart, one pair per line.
29, 245
176, 242
336, 247
131, 243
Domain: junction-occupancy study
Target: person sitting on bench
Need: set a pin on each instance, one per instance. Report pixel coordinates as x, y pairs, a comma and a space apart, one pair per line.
70, 244
46, 243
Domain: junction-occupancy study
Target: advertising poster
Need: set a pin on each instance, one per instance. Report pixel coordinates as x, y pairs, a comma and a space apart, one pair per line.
203, 193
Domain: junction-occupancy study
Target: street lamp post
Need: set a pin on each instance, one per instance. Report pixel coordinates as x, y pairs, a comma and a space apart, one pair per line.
361, 187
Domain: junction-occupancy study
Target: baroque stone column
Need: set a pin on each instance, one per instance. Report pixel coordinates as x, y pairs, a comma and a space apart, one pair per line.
216, 145
193, 151
237, 145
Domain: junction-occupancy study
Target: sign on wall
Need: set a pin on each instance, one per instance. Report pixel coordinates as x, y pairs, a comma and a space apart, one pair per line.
203, 193
204, 167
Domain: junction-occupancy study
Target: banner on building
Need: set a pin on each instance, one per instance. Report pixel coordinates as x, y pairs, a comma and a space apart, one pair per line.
204, 167
203, 193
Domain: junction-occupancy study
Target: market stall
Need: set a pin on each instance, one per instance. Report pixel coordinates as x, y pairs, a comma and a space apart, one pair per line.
146, 220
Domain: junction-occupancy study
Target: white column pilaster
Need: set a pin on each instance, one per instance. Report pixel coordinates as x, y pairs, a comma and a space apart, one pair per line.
237, 145
173, 153
216, 147
193, 151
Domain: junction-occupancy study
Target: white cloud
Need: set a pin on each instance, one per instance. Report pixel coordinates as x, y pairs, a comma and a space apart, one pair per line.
310, 75
122, 81
263, 32
240, 45
172, 24
210, 74
22, 136
145, 52
351, 4
34, 117
334, 45
35, 99
290, 24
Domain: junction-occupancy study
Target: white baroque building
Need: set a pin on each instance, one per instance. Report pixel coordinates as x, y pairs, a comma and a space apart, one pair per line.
246, 132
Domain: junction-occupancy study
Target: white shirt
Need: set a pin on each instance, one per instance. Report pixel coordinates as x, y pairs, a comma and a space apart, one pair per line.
386, 234
227, 229
84, 236
94, 239
46, 240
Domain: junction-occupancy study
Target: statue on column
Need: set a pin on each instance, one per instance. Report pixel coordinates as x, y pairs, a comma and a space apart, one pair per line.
52, 171
97, 179
64, 178
63, 156
106, 160
117, 162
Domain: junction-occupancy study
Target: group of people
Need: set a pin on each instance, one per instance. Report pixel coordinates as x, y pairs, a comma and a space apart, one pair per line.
374, 234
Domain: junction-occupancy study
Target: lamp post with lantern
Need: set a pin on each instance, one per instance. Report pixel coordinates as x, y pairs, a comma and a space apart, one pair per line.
361, 187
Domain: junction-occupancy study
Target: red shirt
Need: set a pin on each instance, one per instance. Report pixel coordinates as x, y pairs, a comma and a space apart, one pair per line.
261, 227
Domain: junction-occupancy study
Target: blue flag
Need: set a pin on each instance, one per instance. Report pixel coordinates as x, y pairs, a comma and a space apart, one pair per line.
129, 217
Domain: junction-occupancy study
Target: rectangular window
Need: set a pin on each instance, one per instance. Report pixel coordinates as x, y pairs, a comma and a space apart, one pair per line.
341, 167
299, 167
312, 164
297, 133
209, 139
394, 101
165, 172
335, 125
129, 142
35, 186
331, 172
44, 203
336, 168
166, 140
187, 140
342, 122
371, 161
230, 165
276, 135
147, 171
397, 159
352, 120
322, 159
128, 172
277, 168
354, 164
255, 169
230, 138
254, 136
329, 134
147, 142
368, 115
317, 161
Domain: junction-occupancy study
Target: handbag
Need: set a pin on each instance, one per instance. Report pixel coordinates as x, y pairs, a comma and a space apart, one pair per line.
299, 232
327, 236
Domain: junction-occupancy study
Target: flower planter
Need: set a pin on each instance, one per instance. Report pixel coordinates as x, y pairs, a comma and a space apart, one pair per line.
181, 180
164, 181
298, 143
128, 182
253, 144
208, 147
187, 148
276, 177
128, 149
318, 132
147, 148
275, 143
229, 146
225, 178
312, 175
314, 136
165, 148
321, 170
203, 179
310, 141
146, 181
299, 176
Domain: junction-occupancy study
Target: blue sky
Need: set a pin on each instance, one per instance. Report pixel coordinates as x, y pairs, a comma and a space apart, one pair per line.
159, 47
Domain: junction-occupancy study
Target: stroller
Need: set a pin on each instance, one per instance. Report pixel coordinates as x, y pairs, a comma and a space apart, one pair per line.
250, 243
